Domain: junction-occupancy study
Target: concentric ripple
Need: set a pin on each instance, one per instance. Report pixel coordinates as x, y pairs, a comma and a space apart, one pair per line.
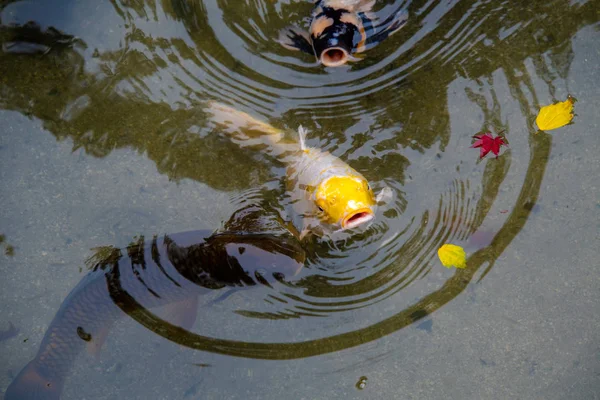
403, 116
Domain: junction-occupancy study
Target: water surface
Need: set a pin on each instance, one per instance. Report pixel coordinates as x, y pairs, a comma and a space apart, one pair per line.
104, 137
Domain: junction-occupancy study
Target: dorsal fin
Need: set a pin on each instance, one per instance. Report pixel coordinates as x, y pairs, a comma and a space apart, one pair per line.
302, 132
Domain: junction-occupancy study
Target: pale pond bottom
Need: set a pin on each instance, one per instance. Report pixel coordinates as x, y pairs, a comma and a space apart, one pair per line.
529, 330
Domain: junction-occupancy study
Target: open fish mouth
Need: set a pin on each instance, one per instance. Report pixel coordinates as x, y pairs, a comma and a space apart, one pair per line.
357, 218
334, 57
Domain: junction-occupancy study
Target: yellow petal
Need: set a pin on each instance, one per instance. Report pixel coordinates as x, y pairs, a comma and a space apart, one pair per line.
452, 255
556, 115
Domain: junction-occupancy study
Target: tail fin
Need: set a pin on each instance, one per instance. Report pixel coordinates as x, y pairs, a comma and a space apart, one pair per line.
249, 132
236, 120
31, 384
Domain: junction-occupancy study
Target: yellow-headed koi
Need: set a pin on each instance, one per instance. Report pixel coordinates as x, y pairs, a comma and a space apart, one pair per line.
324, 191
339, 28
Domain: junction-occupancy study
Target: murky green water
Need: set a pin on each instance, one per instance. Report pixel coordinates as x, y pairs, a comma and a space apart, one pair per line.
104, 137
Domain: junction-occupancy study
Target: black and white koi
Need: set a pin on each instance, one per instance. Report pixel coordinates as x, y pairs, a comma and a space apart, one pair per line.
341, 28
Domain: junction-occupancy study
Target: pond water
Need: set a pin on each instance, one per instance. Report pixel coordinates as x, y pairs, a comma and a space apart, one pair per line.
104, 138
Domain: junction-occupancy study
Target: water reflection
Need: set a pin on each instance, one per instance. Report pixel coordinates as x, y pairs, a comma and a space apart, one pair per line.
398, 117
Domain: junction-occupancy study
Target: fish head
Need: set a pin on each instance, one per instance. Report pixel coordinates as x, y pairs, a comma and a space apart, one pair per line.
340, 29
347, 201
263, 254
333, 32
255, 240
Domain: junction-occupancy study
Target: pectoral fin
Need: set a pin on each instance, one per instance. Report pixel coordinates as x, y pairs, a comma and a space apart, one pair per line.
387, 28
293, 38
97, 340
183, 313
305, 232
384, 196
400, 19
311, 226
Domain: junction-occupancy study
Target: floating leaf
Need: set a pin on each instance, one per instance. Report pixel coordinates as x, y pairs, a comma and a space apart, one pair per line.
452, 255
486, 143
556, 115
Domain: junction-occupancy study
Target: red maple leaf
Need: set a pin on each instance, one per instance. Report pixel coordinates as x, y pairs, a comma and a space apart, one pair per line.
486, 143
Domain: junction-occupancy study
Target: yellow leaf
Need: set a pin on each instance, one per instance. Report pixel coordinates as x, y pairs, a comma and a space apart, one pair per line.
556, 115
452, 255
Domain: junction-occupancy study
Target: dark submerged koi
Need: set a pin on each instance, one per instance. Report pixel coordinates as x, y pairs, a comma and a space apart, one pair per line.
252, 248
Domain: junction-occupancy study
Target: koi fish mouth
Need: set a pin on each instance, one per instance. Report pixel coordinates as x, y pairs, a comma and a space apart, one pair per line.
334, 57
357, 218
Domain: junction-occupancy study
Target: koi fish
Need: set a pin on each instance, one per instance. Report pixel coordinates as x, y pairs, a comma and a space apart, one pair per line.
251, 248
340, 28
325, 192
